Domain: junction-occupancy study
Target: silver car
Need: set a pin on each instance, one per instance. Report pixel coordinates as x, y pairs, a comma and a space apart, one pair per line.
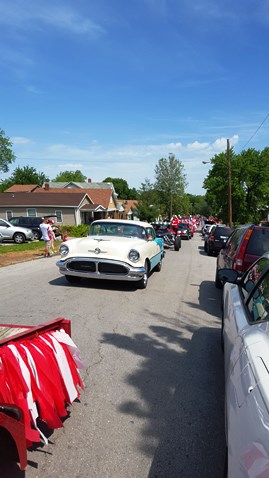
245, 339
13, 233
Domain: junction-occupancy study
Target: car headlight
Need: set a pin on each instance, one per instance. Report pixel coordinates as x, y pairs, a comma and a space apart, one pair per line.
134, 255
64, 249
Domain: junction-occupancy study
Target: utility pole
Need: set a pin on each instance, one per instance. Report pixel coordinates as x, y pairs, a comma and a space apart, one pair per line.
230, 215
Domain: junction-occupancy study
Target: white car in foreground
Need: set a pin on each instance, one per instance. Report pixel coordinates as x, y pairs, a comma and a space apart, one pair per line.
115, 250
245, 337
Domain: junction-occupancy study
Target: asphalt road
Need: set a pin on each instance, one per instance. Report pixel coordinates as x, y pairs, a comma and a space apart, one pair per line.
154, 392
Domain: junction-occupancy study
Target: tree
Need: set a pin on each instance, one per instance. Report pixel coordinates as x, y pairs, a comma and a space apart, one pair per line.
249, 182
148, 207
68, 176
6, 154
170, 182
27, 175
122, 189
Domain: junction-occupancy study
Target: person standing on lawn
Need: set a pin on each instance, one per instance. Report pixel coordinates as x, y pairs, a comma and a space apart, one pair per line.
44, 226
51, 236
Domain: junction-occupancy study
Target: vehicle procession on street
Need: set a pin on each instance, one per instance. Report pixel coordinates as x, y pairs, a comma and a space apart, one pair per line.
131, 251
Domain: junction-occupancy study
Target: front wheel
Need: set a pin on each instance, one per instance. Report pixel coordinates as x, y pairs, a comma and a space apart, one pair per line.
19, 238
36, 235
142, 284
177, 244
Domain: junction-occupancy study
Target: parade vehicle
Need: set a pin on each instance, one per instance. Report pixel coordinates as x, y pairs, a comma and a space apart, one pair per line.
171, 240
114, 249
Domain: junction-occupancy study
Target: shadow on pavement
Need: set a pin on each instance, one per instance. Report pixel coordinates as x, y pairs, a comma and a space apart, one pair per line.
180, 386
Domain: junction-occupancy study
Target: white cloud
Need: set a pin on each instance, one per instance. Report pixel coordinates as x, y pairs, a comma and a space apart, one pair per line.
134, 163
19, 140
197, 146
35, 14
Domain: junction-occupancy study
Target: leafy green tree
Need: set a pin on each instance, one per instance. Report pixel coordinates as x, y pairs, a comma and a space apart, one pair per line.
6, 154
27, 175
170, 183
148, 207
68, 176
5, 184
121, 187
249, 182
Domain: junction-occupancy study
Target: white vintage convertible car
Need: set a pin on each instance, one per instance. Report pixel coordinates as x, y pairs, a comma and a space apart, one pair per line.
114, 249
245, 337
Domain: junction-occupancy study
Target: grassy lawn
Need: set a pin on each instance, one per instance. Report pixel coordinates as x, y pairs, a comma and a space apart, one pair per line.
6, 248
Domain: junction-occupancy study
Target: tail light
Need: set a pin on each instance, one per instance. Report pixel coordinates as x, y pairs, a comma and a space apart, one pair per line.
239, 260
211, 238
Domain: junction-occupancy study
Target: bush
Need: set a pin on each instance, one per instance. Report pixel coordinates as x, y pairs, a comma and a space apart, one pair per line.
75, 231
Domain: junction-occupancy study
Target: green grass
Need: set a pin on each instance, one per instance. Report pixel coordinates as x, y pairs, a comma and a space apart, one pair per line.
26, 246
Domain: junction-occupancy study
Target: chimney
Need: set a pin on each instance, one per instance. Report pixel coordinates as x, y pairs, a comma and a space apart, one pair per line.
46, 186
89, 180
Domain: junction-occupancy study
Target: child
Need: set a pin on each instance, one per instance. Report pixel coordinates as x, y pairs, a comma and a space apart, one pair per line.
51, 237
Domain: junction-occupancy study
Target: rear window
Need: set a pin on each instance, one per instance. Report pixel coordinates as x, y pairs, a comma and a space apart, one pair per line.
258, 242
222, 231
234, 241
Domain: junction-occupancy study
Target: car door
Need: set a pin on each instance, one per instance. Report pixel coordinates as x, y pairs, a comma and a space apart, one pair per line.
5, 229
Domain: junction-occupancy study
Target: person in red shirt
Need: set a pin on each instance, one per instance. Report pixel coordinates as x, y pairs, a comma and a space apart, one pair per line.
174, 222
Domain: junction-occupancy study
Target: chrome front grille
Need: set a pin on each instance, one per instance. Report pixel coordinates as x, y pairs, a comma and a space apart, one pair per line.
101, 267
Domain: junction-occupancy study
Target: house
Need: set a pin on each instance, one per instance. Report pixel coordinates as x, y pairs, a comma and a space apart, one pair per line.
101, 202
101, 194
128, 208
69, 209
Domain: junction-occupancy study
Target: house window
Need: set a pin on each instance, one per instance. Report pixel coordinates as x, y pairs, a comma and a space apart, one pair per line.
31, 212
9, 215
59, 216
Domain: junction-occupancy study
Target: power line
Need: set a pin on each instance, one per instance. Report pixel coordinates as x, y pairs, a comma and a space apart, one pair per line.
256, 131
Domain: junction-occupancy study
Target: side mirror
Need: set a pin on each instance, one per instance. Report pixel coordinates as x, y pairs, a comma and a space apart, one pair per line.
228, 275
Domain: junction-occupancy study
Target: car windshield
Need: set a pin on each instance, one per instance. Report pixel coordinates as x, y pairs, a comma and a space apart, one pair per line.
117, 229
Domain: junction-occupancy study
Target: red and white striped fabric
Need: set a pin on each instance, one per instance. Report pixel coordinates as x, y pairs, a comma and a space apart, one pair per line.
41, 376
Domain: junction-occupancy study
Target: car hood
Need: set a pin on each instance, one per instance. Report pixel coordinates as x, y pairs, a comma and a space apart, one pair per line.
105, 247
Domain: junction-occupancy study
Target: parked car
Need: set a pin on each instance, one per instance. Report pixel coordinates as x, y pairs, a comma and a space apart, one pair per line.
217, 238
184, 231
32, 222
245, 245
245, 338
206, 233
206, 225
114, 250
16, 234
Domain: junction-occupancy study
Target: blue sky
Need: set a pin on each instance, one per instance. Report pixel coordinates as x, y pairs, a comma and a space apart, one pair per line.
111, 86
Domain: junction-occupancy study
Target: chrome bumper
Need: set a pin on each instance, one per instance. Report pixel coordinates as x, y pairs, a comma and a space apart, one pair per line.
131, 273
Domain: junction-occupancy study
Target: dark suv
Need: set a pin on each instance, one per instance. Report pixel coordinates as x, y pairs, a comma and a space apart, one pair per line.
217, 238
245, 245
29, 222
32, 222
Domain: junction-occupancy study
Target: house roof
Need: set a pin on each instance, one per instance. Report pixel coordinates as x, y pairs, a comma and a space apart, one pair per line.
74, 184
129, 204
22, 188
41, 199
97, 196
